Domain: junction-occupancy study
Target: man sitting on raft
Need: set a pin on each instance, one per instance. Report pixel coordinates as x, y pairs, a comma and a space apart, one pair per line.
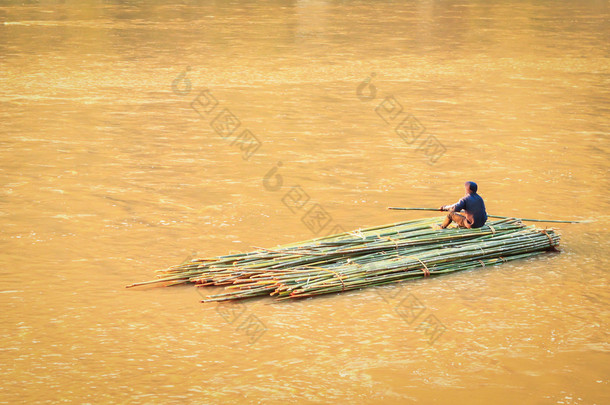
469, 212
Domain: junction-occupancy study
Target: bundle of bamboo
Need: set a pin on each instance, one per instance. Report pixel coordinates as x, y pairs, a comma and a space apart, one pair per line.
367, 257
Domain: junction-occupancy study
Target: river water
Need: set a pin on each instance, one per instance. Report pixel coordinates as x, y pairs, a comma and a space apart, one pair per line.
135, 135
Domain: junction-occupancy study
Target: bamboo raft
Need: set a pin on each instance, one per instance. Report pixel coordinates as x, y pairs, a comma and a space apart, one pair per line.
363, 258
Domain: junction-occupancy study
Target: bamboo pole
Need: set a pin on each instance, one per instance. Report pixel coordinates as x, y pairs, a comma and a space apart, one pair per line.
496, 216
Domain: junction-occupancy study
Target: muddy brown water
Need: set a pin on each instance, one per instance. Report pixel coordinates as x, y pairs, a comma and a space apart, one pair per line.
121, 153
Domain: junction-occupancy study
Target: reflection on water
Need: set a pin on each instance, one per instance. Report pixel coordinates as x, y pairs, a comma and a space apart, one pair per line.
109, 172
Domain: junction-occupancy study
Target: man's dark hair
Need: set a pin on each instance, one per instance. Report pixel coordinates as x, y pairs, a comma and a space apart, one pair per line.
472, 186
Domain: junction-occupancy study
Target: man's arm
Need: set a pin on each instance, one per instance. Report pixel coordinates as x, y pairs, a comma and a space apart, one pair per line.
458, 206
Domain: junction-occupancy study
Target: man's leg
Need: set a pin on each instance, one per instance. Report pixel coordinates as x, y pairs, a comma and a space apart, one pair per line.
457, 218
447, 221
461, 220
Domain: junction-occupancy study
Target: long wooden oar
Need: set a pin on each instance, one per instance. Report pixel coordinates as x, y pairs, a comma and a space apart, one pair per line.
495, 216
